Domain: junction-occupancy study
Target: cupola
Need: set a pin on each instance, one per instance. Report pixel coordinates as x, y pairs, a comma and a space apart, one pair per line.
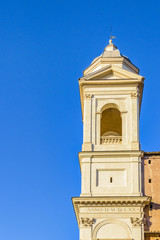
111, 55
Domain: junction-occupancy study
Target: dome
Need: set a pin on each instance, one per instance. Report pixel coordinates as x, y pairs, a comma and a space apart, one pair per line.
111, 50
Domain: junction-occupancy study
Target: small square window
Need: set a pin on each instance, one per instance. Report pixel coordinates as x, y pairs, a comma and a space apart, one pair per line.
150, 180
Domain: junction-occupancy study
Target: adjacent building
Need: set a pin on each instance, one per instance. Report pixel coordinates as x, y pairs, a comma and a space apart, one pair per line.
151, 187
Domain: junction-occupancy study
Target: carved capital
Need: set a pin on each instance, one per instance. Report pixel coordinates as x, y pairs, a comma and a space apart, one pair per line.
87, 96
87, 222
135, 94
136, 222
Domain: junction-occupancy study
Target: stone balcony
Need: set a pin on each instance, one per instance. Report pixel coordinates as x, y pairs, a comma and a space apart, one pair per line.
111, 140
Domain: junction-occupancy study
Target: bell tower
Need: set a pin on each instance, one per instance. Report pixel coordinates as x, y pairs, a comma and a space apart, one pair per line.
111, 204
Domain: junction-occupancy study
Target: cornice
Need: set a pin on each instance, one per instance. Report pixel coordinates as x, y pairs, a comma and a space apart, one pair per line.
113, 68
112, 200
107, 202
129, 153
109, 154
110, 60
131, 66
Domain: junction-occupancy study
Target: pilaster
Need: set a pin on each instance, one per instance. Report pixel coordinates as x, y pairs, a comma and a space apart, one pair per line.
87, 124
135, 119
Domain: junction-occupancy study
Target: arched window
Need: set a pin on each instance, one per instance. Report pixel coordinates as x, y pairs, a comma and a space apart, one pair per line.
111, 126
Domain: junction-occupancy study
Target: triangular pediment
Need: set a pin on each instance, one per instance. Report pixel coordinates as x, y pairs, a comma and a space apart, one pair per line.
111, 72
109, 75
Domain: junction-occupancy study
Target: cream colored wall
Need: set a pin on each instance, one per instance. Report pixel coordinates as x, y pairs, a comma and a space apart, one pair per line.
123, 168
128, 105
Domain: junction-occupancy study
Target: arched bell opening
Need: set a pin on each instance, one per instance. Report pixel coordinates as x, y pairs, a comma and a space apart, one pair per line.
111, 126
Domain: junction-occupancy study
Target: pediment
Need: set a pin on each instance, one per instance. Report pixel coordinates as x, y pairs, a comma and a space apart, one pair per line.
109, 75
111, 72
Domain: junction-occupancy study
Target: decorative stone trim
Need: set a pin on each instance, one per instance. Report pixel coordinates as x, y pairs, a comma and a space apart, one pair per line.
79, 202
103, 201
135, 94
87, 96
87, 222
111, 140
136, 222
114, 221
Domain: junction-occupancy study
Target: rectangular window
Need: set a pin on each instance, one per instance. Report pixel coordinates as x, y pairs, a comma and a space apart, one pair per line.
150, 180
149, 161
110, 179
151, 206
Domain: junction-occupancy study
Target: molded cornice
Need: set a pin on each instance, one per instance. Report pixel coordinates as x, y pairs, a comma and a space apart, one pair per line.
108, 201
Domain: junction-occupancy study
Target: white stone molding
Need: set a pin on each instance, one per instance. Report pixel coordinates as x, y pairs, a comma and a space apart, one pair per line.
113, 101
110, 105
80, 202
108, 221
142, 201
87, 222
136, 222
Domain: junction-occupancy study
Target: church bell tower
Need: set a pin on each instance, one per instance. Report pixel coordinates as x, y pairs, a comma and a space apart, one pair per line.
111, 204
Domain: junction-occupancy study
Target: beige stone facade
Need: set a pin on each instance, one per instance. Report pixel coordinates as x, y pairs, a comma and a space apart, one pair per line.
112, 202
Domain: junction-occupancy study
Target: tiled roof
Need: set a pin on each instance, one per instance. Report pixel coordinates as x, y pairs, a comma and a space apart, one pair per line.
152, 153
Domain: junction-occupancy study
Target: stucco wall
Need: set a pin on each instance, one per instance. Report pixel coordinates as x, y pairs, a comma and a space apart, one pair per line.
151, 187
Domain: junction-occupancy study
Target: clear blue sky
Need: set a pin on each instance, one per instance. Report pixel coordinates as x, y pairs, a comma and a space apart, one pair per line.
44, 47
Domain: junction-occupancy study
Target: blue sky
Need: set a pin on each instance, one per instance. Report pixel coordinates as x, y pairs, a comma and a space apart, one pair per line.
44, 47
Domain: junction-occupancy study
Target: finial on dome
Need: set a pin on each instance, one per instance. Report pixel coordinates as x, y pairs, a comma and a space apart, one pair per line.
110, 40
111, 50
